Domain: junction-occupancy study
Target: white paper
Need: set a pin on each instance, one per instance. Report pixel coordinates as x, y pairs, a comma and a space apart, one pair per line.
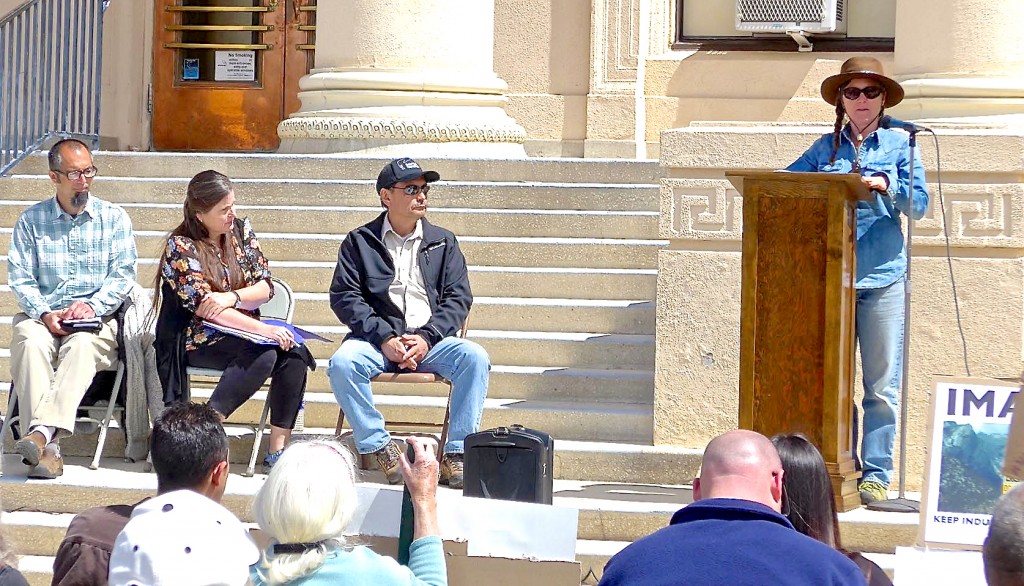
491, 527
935, 567
235, 66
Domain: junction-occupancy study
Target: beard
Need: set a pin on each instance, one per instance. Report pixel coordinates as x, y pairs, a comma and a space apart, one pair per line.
79, 199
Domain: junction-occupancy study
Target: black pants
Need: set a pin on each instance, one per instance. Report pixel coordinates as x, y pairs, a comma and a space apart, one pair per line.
246, 367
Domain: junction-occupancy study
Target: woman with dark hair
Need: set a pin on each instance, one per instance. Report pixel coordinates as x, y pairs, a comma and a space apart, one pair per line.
213, 271
808, 501
863, 145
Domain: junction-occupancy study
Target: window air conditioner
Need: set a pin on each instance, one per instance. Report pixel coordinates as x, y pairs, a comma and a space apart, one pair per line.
793, 17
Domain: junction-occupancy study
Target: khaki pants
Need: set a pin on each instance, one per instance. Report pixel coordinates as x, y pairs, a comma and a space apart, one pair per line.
51, 373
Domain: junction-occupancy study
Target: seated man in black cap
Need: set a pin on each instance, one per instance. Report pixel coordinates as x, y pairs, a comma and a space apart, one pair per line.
402, 288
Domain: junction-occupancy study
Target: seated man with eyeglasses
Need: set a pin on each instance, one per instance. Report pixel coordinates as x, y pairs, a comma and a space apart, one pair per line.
72, 257
402, 288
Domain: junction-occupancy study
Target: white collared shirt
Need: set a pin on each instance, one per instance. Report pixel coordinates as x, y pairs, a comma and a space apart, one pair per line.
407, 290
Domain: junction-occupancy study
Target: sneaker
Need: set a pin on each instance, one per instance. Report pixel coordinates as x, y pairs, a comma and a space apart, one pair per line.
270, 460
451, 471
389, 460
871, 491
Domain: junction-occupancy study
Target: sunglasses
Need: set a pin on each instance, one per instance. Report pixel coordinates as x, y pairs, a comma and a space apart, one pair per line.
871, 92
414, 190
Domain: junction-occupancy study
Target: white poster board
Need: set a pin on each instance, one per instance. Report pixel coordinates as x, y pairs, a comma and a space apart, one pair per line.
935, 567
235, 66
969, 425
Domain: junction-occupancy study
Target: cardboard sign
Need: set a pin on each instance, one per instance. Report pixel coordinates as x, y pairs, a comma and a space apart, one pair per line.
235, 66
968, 431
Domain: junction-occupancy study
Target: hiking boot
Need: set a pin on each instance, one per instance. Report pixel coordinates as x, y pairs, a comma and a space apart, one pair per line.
389, 460
51, 464
30, 448
451, 471
871, 491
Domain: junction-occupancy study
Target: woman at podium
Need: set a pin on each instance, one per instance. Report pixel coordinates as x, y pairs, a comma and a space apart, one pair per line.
863, 144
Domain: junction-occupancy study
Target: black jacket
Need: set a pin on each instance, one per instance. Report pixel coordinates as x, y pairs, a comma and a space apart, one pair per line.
365, 270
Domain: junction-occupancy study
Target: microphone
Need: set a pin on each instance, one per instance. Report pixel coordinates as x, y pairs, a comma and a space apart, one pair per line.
890, 122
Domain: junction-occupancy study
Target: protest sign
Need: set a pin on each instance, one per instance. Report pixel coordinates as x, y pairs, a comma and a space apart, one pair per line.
969, 426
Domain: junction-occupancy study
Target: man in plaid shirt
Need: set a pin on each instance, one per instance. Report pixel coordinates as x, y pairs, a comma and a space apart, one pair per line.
72, 257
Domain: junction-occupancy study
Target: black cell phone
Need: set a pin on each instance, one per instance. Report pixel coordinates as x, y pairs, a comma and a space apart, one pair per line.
410, 452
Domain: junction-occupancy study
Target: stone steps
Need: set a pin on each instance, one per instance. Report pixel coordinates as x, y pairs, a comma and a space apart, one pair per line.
487, 281
318, 167
304, 219
600, 316
486, 250
360, 192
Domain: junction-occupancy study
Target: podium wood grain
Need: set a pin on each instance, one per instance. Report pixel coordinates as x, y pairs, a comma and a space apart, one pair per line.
797, 313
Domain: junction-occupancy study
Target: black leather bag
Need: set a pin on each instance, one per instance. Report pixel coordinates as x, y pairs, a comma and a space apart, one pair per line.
510, 463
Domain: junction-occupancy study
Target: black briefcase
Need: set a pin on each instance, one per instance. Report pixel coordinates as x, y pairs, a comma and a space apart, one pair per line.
510, 463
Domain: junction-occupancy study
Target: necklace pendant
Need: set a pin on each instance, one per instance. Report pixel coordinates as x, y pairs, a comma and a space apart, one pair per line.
860, 137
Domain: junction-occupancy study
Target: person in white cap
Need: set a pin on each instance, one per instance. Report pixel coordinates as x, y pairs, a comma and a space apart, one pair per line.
182, 538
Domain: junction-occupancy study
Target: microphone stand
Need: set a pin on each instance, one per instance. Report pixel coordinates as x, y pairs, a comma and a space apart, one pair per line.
902, 504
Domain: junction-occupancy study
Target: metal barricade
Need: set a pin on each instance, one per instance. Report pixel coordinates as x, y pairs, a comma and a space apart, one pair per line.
50, 70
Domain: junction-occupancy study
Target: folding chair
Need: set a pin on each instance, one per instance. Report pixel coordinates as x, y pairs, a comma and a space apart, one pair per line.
281, 306
410, 378
86, 413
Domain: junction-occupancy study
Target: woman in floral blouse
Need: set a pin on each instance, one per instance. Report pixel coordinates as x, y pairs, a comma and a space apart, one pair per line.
214, 270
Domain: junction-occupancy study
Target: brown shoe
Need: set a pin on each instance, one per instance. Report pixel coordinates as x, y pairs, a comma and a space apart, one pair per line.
51, 464
451, 471
389, 460
30, 448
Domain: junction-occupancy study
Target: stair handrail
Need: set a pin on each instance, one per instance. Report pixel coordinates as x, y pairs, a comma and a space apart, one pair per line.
50, 75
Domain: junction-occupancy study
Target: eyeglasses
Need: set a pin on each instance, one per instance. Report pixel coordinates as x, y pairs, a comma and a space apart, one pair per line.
414, 190
871, 92
88, 173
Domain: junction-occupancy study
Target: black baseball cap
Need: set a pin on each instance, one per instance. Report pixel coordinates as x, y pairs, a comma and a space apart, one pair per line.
400, 170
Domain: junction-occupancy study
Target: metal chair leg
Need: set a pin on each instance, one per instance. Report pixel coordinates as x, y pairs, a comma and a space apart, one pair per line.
105, 424
12, 401
258, 440
444, 426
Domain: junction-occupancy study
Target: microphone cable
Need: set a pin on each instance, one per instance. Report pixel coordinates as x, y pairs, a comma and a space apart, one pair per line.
949, 255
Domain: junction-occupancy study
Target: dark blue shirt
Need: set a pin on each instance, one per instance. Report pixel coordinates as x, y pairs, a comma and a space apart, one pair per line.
729, 542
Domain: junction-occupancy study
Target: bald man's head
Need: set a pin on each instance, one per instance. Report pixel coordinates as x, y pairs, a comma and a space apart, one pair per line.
1003, 552
741, 464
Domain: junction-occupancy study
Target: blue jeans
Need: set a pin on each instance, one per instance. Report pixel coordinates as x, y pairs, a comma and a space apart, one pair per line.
462, 362
880, 337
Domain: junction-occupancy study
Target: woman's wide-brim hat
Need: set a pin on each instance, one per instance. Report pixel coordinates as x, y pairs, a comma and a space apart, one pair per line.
855, 67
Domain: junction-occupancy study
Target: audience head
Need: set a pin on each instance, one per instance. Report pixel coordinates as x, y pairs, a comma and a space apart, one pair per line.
807, 498
190, 450
182, 539
404, 171
305, 505
71, 171
205, 191
741, 464
1003, 552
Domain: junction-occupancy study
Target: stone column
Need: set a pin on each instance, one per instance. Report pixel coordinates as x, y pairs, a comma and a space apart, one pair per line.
959, 58
394, 77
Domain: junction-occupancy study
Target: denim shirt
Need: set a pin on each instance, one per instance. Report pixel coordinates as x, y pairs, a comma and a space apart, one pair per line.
881, 251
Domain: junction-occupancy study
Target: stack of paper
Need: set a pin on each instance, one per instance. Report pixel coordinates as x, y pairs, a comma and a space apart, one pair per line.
300, 335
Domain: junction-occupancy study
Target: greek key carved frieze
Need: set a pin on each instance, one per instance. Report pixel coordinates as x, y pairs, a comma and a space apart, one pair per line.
700, 209
977, 215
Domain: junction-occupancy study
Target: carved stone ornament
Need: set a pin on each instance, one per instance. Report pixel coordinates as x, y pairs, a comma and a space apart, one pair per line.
324, 127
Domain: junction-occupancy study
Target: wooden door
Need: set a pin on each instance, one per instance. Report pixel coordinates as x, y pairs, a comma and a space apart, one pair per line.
226, 72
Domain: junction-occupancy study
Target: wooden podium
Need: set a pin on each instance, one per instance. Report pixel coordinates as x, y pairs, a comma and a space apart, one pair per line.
797, 312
